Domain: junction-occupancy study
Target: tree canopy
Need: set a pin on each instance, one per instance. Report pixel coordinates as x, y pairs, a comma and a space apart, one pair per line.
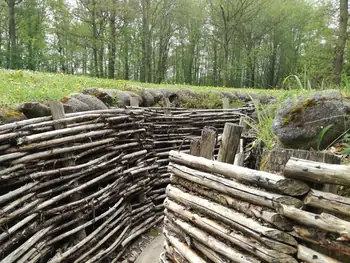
231, 43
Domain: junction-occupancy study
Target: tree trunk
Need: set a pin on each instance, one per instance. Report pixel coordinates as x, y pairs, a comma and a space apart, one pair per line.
341, 42
13, 58
112, 47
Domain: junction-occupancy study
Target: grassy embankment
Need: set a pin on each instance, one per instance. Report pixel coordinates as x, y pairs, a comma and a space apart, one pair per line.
22, 86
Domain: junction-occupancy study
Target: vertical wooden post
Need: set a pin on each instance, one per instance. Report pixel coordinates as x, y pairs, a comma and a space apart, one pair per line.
166, 106
208, 141
240, 156
134, 102
225, 103
229, 143
195, 147
57, 112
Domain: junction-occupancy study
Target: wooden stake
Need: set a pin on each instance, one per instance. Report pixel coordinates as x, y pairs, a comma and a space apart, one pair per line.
229, 143
195, 148
208, 142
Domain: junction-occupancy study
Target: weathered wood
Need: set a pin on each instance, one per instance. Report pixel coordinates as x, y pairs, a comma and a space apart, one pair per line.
247, 208
321, 239
214, 244
229, 143
208, 142
247, 244
13, 257
184, 250
323, 221
209, 253
134, 101
57, 112
329, 202
311, 256
263, 179
225, 103
318, 172
234, 219
233, 188
195, 147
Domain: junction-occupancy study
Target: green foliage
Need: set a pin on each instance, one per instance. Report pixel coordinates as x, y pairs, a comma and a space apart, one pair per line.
321, 136
346, 145
202, 100
262, 127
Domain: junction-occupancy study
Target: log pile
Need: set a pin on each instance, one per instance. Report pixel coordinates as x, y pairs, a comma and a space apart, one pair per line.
81, 187
219, 212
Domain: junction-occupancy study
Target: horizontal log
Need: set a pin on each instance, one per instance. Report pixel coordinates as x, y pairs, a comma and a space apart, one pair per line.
323, 221
247, 244
226, 215
190, 255
260, 178
329, 202
312, 256
259, 212
322, 173
320, 238
233, 188
215, 244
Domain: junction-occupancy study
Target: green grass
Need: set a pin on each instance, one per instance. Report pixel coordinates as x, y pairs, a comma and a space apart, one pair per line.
23, 86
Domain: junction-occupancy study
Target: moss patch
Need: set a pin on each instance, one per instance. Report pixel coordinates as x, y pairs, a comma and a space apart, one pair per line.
294, 115
154, 232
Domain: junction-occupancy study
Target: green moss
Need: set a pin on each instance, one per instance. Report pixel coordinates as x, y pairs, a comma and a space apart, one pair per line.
236, 103
295, 113
204, 100
154, 232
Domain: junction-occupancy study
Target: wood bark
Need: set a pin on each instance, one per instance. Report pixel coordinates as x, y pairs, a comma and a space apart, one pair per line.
214, 244
184, 250
233, 188
260, 178
258, 212
321, 239
318, 172
249, 245
312, 256
228, 216
329, 202
208, 142
229, 143
323, 221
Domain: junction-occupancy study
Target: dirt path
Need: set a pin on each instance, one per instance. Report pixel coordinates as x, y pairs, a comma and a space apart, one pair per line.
152, 252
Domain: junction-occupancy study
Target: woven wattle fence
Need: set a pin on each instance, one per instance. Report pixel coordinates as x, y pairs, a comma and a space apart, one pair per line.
81, 187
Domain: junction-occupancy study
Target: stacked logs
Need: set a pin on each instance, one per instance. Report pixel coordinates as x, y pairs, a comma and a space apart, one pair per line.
81, 187
218, 212
73, 186
177, 128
